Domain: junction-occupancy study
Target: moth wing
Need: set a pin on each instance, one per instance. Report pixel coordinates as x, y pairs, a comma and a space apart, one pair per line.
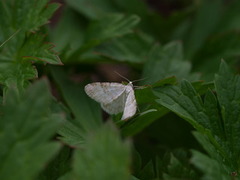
130, 107
105, 92
116, 106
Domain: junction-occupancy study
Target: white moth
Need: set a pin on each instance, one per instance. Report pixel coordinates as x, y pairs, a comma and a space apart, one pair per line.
114, 97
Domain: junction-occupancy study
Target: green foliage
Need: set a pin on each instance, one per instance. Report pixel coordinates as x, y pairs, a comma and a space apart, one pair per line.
102, 153
20, 22
187, 121
215, 118
25, 132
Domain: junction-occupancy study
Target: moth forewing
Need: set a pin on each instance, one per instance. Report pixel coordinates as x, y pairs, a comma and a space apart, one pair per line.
104, 92
116, 106
114, 97
130, 104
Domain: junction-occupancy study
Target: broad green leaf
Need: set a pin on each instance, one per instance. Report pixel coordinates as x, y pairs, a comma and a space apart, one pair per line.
86, 112
220, 126
103, 157
220, 46
212, 111
110, 26
185, 102
21, 17
103, 29
176, 169
16, 74
26, 127
36, 49
133, 48
69, 33
25, 15
93, 9
167, 61
227, 86
58, 166
212, 148
137, 124
147, 171
204, 23
211, 168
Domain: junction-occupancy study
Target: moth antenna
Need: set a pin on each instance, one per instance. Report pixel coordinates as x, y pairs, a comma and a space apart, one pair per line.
9, 38
122, 76
139, 80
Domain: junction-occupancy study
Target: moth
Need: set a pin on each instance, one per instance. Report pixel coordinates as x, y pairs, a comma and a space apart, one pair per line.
114, 97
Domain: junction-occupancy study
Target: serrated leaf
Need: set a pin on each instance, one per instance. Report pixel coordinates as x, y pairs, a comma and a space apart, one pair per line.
104, 156
167, 61
113, 25
211, 148
26, 127
147, 171
133, 48
69, 33
25, 15
22, 19
211, 168
227, 86
92, 9
177, 170
58, 166
36, 50
103, 29
185, 102
87, 113
220, 126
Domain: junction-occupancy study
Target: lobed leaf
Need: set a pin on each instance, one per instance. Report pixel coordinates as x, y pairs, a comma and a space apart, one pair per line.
26, 128
86, 112
104, 156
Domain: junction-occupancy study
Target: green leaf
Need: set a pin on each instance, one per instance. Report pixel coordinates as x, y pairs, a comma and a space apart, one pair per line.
137, 124
211, 148
147, 171
149, 110
133, 48
58, 166
185, 102
204, 23
103, 29
87, 113
92, 9
178, 169
25, 15
36, 49
23, 18
211, 168
212, 111
69, 33
103, 157
113, 25
227, 86
220, 126
220, 46
26, 127
167, 61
